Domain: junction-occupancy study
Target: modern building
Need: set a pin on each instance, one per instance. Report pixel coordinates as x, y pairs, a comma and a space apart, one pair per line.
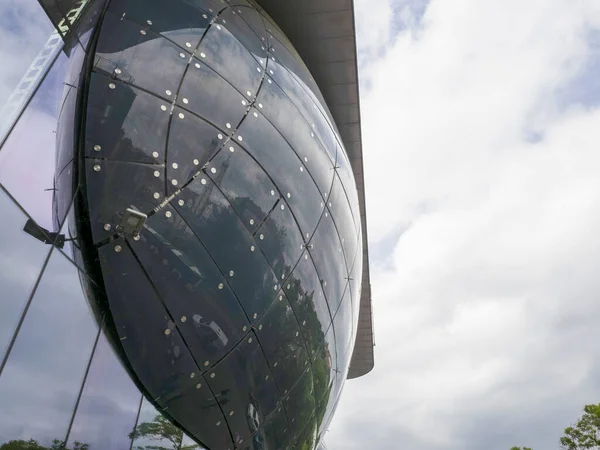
183, 254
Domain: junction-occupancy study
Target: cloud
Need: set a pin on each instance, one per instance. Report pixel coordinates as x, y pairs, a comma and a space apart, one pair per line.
481, 162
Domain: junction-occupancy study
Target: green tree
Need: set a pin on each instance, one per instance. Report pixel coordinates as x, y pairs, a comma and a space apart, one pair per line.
160, 429
520, 448
20, 444
585, 434
32, 444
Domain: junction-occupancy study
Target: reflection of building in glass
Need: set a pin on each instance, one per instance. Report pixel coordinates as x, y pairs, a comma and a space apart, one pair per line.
194, 248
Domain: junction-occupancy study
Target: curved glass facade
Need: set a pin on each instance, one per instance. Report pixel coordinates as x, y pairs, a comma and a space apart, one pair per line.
195, 280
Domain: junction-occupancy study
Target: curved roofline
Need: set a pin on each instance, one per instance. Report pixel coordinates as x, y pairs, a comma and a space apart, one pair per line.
324, 34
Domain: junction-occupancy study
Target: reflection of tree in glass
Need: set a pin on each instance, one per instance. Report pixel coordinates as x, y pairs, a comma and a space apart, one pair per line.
160, 429
32, 444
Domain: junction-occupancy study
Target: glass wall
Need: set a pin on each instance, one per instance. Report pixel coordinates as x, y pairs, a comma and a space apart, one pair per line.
227, 320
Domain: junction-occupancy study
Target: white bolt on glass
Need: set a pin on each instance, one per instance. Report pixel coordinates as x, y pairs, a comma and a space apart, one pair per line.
168, 214
181, 116
97, 148
97, 168
111, 85
196, 162
163, 107
174, 182
156, 195
107, 226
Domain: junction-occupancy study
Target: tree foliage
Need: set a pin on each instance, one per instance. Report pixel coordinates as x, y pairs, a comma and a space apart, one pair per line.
585, 434
32, 444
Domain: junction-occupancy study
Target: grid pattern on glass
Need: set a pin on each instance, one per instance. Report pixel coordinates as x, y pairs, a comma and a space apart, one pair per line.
190, 132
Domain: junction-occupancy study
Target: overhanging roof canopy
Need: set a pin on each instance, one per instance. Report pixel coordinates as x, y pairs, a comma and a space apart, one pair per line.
324, 34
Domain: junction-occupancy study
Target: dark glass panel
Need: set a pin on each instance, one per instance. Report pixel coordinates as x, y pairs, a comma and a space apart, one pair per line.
130, 53
254, 21
213, 220
288, 172
192, 142
326, 411
324, 366
281, 340
305, 294
277, 429
114, 186
247, 187
227, 56
356, 286
232, 19
109, 403
326, 251
149, 336
344, 332
45, 370
283, 243
300, 404
207, 94
28, 161
301, 98
177, 20
21, 261
306, 438
346, 175
200, 414
298, 133
342, 216
244, 384
125, 123
195, 293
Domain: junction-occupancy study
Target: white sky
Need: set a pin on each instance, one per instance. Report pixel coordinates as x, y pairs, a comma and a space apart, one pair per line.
481, 134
